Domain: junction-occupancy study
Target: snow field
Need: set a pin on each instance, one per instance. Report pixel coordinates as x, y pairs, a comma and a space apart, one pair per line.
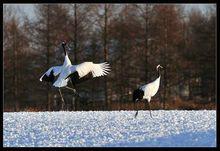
168, 128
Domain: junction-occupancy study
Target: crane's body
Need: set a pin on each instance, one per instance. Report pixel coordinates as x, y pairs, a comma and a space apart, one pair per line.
150, 89
61, 82
58, 71
147, 91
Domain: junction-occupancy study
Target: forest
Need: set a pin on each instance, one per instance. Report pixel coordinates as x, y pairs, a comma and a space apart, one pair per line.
133, 38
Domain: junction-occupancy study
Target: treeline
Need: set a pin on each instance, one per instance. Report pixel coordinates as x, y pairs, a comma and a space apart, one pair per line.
133, 38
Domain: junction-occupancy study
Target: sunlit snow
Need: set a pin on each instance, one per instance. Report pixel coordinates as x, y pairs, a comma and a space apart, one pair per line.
110, 129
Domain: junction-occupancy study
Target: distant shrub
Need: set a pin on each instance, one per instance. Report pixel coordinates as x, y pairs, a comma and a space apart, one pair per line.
174, 103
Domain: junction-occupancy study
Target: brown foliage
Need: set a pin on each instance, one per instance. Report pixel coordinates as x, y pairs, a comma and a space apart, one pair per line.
132, 38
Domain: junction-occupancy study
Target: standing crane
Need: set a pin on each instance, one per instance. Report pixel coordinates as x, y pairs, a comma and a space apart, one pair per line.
147, 91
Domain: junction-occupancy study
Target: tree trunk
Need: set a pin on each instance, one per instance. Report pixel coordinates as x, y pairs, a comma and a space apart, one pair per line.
75, 41
75, 33
146, 44
165, 63
48, 57
15, 78
106, 56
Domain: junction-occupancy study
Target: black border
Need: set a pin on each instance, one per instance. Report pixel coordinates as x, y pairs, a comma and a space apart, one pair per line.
117, 148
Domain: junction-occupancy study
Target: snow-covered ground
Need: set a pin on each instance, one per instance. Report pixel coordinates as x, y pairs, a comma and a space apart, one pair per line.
110, 129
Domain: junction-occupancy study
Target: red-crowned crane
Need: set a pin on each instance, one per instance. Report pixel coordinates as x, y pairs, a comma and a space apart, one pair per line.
75, 73
147, 91
52, 73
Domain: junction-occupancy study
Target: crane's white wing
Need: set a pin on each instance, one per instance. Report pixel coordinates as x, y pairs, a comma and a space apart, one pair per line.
97, 70
55, 70
100, 69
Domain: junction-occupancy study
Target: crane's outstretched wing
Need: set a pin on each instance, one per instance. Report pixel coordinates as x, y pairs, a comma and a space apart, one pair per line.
100, 69
51, 73
88, 70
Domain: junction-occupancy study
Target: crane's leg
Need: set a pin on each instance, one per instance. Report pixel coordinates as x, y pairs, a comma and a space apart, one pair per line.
136, 114
135, 105
149, 108
63, 103
74, 90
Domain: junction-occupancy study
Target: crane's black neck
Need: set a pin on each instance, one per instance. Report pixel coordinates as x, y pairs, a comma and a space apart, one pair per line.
64, 49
